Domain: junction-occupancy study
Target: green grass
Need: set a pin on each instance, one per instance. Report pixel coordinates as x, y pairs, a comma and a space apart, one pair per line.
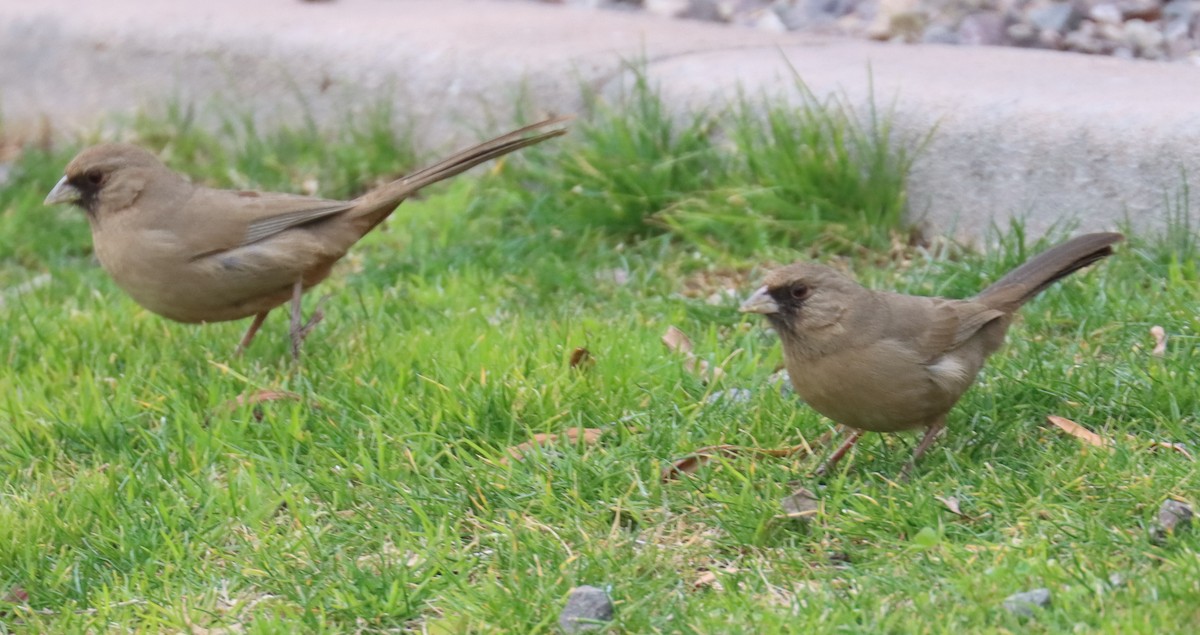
133, 498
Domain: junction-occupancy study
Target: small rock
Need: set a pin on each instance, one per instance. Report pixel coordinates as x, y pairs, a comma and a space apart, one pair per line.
1105, 14
939, 34
669, 8
1147, 10
588, 608
1024, 603
770, 21
1050, 39
1144, 38
1174, 516
1116, 580
731, 396
5, 173
1022, 34
785, 383
898, 19
981, 29
707, 10
1178, 9
1061, 17
1112, 32
1084, 40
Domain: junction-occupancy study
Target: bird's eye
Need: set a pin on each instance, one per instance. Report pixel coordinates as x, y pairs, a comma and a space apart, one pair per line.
95, 177
799, 292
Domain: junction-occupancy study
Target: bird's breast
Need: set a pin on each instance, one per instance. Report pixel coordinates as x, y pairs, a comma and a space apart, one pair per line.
882, 387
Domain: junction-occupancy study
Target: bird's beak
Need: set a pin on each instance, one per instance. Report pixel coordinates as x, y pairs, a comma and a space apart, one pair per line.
760, 302
63, 192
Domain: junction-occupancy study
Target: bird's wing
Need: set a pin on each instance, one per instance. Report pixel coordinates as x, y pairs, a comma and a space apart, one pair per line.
936, 326
220, 220
285, 214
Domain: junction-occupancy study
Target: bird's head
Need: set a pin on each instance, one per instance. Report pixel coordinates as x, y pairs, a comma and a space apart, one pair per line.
109, 177
804, 302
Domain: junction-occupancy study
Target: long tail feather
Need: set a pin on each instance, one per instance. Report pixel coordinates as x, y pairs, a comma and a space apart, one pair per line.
1026, 281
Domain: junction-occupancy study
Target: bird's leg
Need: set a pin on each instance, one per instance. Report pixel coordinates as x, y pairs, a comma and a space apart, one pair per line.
931, 433
837, 455
297, 328
316, 317
250, 333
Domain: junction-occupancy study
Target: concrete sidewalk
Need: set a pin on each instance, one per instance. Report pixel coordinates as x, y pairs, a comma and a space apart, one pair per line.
1037, 134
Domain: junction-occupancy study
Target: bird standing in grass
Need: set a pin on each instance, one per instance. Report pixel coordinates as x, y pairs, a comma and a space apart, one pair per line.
194, 254
884, 362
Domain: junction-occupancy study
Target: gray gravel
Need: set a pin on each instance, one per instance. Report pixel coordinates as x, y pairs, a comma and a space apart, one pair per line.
1144, 29
587, 608
1026, 602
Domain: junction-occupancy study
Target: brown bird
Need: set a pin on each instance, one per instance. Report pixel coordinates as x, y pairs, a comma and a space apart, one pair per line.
884, 362
194, 254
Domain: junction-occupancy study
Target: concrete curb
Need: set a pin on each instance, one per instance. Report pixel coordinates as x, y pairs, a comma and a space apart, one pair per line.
1041, 135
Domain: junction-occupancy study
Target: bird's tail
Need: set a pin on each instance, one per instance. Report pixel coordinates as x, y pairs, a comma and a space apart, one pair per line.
386, 198
1026, 281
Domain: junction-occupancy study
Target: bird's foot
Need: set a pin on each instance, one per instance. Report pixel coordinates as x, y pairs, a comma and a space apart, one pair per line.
300, 331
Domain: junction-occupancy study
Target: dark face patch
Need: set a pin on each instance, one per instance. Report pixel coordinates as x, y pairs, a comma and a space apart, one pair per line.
89, 183
790, 298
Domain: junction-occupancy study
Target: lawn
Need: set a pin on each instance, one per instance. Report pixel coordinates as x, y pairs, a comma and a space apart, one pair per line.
379, 495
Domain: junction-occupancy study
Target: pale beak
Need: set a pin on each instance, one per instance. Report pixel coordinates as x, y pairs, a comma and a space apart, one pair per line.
64, 192
760, 302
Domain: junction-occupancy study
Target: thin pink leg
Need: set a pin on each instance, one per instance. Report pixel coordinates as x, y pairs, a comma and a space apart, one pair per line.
250, 333
931, 434
840, 452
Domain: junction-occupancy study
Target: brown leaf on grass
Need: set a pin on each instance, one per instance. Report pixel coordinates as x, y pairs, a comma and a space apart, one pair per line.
1078, 431
517, 452
580, 357
258, 398
15, 595
801, 504
1091, 438
708, 579
262, 396
1160, 340
677, 341
951, 504
694, 461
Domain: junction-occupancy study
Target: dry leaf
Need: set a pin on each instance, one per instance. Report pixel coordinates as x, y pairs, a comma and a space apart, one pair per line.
15, 595
1091, 438
677, 341
1160, 340
580, 356
1078, 431
1178, 447
694, 461
262, 396
951, 504
589, 435
799, 505
708, 579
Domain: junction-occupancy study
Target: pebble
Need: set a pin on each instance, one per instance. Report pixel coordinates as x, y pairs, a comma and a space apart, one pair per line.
1174, 516
588, 608
1061, 17
1024, 603
731, 396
